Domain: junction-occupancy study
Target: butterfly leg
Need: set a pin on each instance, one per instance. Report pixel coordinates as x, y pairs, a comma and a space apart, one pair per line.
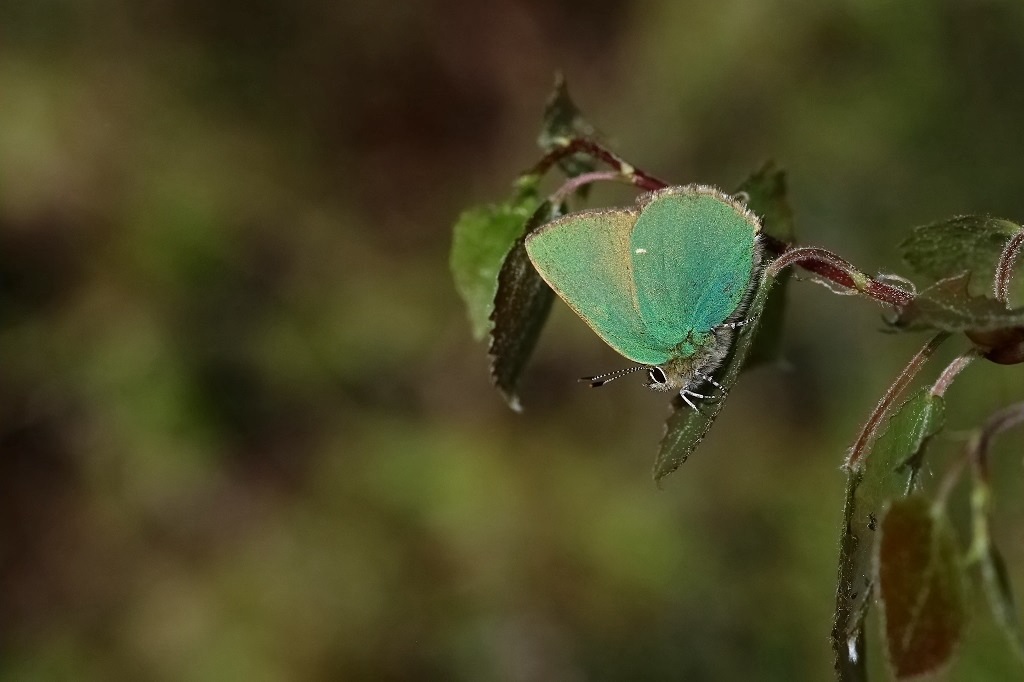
684, 394
711, 380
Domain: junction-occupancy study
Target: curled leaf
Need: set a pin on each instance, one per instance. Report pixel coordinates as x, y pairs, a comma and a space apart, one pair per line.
685, 428
947, 305
521, 306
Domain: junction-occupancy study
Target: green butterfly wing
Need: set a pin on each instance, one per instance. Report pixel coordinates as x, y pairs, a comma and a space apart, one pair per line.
692, 251
585, 257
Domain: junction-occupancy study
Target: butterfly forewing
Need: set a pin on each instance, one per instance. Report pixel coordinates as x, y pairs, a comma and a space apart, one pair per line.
585, 258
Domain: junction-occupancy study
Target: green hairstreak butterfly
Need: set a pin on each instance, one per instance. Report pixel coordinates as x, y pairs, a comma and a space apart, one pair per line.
664, 283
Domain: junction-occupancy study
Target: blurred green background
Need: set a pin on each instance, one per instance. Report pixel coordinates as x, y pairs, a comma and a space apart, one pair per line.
245, 433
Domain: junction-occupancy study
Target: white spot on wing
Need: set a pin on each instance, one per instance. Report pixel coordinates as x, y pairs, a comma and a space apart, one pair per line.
640, 251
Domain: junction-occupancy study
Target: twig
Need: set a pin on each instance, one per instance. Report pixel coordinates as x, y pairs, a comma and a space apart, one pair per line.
573, 184
1004, 271
952, 370
842, 272
583, 145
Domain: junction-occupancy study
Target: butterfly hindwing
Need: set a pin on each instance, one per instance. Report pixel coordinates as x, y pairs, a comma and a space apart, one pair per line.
585, 258
692, 252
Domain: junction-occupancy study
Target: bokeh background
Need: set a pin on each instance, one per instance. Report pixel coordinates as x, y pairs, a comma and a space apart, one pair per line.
245, 432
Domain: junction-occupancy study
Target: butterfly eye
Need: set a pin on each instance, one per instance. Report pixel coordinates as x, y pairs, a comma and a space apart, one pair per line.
657, 375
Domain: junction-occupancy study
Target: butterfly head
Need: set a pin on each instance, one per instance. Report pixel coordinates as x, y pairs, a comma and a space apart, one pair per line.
668, 378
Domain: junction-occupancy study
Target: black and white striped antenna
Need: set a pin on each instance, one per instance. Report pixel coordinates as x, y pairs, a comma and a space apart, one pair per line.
602, 379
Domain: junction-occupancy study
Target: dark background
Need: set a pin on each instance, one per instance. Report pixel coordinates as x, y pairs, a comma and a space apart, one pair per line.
245, 433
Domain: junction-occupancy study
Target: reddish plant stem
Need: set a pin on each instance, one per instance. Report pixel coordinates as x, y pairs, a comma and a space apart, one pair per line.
840, 271
894, 391
573, 184
952, 370
583, 145
1004, 271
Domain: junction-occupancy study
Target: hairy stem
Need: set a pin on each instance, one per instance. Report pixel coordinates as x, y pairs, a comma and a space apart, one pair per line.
952, 370
842, 272
583, 145
573, 184
1004, 271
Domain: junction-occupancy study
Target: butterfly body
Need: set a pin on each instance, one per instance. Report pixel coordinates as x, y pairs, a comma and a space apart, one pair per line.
664, 283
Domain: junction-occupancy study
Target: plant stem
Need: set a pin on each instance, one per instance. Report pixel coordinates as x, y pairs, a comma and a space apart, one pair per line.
952, 370
842, 272
1004, 271
583, 145
573, 184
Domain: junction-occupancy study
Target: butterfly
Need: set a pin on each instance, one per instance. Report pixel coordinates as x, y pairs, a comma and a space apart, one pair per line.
664, 283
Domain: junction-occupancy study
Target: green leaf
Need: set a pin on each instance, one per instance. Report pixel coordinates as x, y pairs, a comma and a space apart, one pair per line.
947, 305
482, 237
885, 472
768, 198
971, 243
521, 307
892, 464
921, 587
563, 120
685, 428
